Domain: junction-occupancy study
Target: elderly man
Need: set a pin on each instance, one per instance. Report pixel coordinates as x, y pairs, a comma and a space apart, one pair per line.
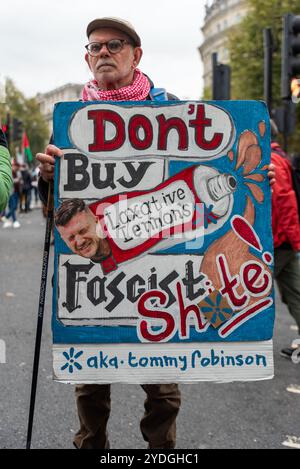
113, 54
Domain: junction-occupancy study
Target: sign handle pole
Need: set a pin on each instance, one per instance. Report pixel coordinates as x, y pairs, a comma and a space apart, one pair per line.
49, 223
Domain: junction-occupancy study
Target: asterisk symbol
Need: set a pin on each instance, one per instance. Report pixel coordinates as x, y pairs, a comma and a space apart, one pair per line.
216, 309
71, 360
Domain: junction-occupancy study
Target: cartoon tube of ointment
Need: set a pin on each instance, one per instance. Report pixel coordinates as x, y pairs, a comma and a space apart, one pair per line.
136, 222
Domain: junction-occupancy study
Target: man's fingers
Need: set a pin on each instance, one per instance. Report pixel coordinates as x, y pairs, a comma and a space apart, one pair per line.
272, 174
53, 150
47, 161
47, 171
48, 168
50, 154
44, 159
272, 178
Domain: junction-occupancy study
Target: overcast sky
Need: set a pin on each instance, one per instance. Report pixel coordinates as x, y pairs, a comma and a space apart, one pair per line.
42, 41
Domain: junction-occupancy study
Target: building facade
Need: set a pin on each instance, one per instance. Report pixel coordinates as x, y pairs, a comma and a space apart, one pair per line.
68, 92
220, 16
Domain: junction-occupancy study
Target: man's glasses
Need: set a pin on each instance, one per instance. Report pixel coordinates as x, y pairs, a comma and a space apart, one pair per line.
113, 46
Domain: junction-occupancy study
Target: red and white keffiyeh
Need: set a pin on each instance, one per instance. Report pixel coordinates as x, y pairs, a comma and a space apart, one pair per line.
138, 91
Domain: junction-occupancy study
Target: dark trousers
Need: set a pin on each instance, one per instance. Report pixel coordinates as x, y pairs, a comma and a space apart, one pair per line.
25, 200
158, 425
13, 205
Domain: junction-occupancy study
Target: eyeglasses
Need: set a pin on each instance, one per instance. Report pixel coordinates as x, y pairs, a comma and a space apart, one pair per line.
113, 46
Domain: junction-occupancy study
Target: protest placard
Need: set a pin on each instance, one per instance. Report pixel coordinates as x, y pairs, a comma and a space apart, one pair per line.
163, 243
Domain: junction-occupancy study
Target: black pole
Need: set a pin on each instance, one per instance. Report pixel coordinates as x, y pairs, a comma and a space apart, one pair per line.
220, 79
41, 307
268, 56
285, 125
214, 61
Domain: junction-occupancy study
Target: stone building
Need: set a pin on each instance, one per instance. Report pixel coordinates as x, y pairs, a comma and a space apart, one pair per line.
220, 16
68, 92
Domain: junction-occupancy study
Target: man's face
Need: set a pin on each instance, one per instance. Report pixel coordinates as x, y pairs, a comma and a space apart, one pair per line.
80, 234
113, 71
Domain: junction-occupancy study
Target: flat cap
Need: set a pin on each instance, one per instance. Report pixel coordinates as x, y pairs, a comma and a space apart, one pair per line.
115, 23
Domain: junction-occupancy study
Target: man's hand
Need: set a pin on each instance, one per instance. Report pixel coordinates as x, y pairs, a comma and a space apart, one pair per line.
47, 161
271, 174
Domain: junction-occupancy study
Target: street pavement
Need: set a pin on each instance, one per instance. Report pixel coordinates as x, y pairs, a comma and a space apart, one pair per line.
236, 415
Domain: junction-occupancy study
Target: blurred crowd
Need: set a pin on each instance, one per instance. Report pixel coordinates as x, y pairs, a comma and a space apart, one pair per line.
24, 194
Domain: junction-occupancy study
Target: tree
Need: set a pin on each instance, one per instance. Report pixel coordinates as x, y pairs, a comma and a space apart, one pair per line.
27, 111
245, 44
207, 93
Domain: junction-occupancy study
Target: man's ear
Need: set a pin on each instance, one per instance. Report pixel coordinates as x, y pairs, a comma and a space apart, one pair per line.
137, 55
86, 58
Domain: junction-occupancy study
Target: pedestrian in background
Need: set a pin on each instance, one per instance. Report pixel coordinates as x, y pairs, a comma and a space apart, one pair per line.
5, 172
286, 233
34, 185
26, 189
10, 219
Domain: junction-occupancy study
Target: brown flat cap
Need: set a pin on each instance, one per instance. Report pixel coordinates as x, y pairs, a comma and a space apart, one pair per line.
115, 23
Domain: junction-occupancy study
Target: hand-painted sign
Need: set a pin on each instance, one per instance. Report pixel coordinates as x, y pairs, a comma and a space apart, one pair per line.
163, 243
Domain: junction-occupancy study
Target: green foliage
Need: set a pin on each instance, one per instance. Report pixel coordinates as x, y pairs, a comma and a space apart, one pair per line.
207, 93
245, 44
26, 110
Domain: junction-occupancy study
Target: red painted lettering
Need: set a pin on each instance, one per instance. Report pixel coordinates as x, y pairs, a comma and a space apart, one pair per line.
184, 314
145, 330
229, 284
100, 118
165, 125
135, 124
200, 124
251, 274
